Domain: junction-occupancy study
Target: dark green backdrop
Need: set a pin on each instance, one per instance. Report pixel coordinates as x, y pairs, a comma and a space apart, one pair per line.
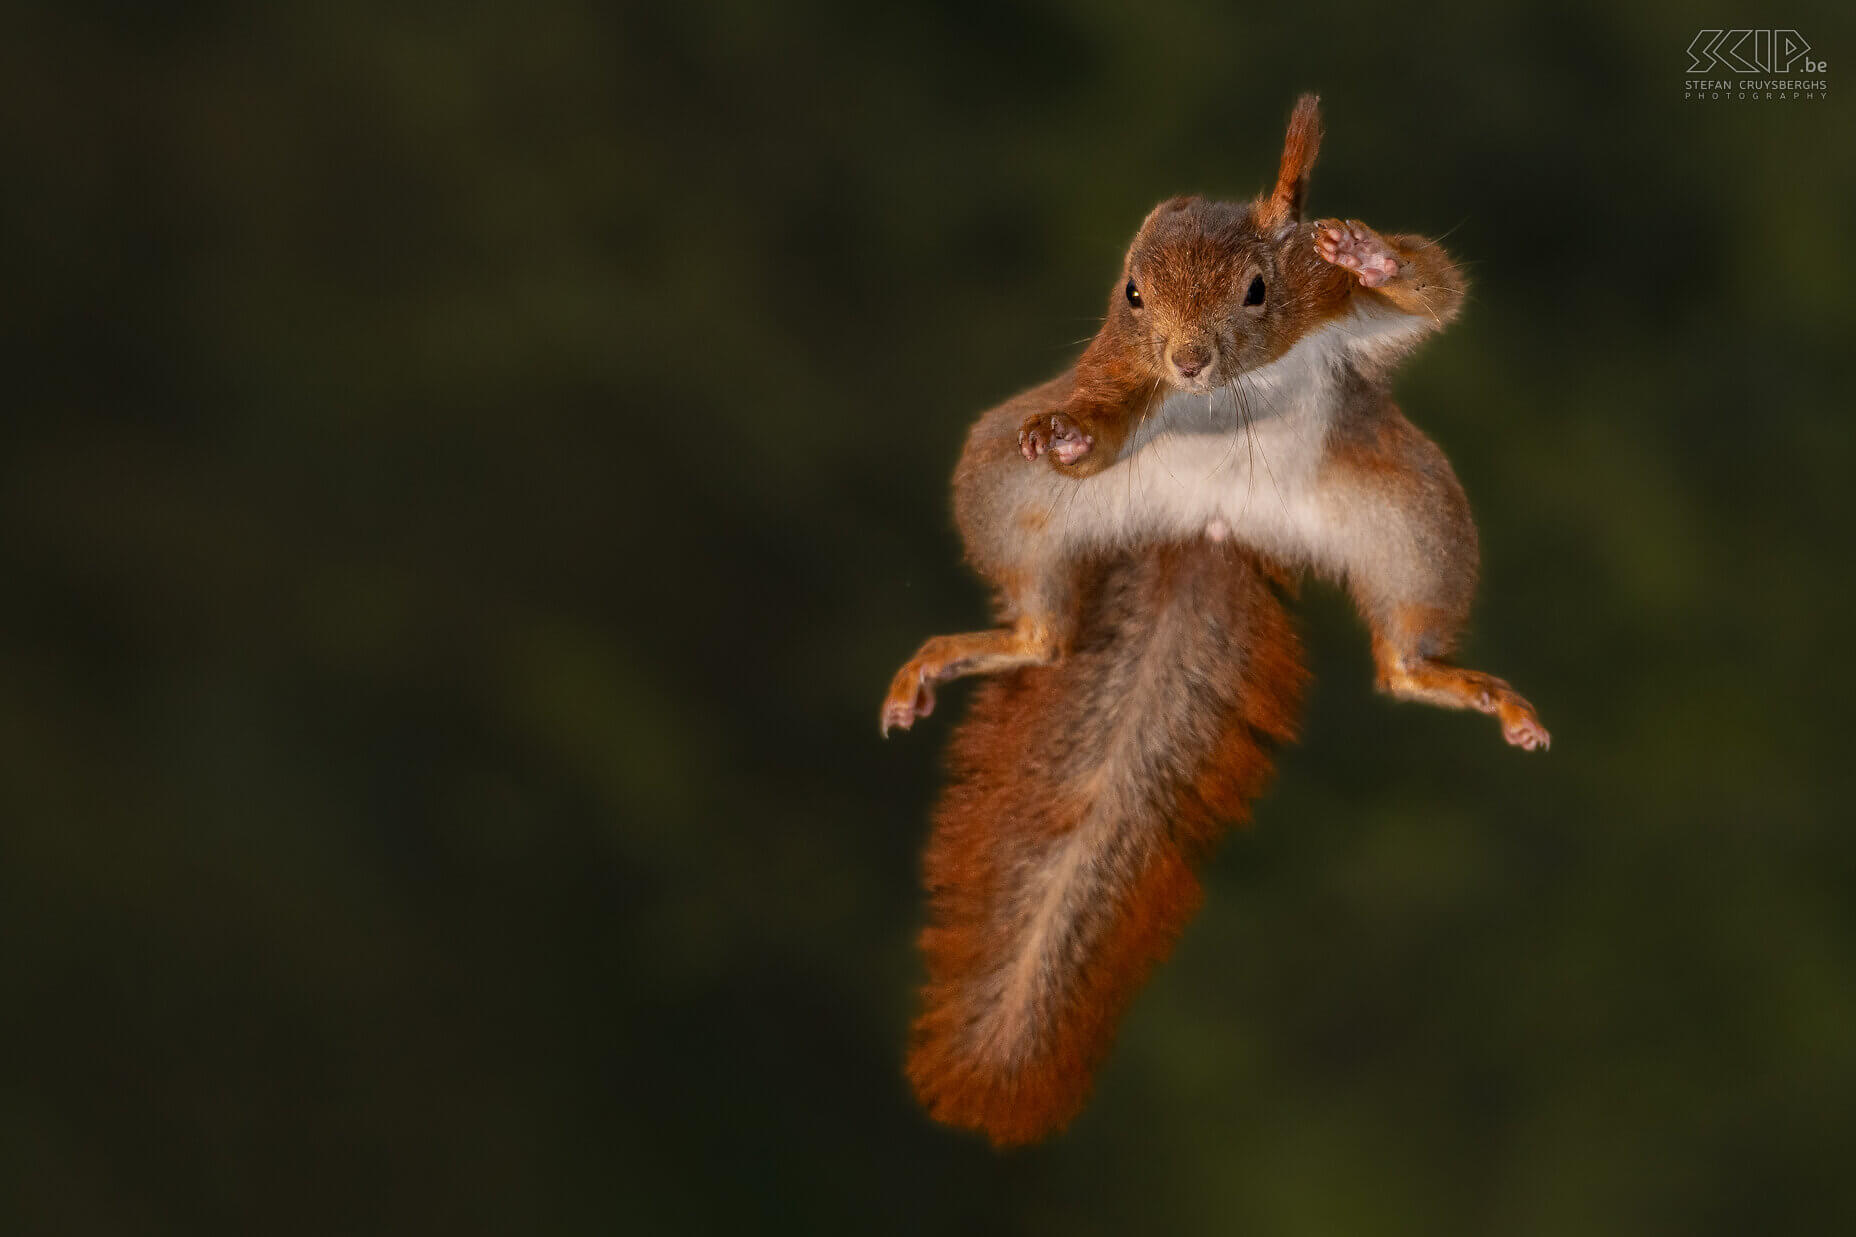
470, 472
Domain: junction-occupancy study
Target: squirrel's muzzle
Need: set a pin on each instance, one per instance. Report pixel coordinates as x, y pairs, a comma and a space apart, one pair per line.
1189, 359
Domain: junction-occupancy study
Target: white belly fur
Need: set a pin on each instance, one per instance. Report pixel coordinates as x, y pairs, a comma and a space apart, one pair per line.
1246, 462
1239, 461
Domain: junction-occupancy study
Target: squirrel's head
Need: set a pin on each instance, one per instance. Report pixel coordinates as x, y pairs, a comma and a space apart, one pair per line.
1208, 289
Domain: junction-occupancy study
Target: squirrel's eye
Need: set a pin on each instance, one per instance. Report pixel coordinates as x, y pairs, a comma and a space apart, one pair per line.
1255, 295
1134, 294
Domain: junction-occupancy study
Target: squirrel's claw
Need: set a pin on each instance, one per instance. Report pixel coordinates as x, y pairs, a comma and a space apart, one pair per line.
910, 697
1032, 442
1527, 733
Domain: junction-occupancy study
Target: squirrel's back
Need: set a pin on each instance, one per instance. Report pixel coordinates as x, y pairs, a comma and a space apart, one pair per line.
1082, 795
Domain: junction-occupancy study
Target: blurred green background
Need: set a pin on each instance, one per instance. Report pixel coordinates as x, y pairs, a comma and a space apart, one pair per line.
470, 472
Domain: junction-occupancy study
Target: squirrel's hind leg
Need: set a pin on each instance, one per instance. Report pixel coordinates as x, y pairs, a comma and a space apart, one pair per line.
1407, 673
942, 658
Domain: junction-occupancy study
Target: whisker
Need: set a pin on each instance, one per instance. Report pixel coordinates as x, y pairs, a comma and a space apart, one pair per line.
1438, 240
1250, 439
1134, 464
1231, 446
1270, 472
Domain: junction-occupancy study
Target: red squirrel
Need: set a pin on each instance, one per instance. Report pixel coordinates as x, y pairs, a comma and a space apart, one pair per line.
1139, 516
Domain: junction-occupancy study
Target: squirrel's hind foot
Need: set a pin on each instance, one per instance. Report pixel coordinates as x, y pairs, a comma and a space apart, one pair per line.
911, 697
1522, 728
1456, 688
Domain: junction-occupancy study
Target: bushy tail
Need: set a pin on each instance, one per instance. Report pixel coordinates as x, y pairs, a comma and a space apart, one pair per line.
1082, 795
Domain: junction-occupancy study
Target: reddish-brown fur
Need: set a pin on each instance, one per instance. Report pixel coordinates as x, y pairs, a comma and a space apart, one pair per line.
1207, 621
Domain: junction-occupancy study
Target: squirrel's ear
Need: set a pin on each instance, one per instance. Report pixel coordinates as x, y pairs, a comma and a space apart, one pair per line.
1299, 148
1167, 207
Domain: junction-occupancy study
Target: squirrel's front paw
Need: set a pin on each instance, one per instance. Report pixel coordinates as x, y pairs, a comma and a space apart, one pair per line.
1056, 433
1358, 248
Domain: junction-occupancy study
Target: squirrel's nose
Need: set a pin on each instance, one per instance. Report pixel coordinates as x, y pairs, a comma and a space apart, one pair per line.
1190, 360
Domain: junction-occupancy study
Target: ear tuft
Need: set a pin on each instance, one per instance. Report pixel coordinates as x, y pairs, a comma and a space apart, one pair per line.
1299, 148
